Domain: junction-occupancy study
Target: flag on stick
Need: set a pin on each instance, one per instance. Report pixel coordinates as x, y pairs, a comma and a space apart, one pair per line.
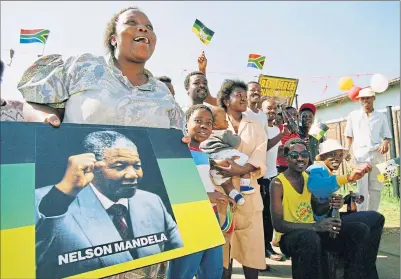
256, 61
388, 169
202, 32
28, 36
318, 130
228, 224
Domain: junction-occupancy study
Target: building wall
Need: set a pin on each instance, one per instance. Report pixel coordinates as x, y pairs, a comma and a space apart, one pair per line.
339, 110
334, 115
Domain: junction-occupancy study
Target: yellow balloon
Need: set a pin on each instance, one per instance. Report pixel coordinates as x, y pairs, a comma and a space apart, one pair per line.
380, 178
345, 83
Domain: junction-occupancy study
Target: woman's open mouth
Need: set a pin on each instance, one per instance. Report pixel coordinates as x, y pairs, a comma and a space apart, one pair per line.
142, 40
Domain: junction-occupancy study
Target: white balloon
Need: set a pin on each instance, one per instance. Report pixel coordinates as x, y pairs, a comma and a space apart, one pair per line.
379, 83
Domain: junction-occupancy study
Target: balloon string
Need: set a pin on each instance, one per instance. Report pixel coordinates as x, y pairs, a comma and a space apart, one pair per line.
304, 77
324, 91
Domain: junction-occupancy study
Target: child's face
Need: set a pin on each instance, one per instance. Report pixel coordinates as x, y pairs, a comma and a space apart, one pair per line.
220, 121
200, 125
333, 159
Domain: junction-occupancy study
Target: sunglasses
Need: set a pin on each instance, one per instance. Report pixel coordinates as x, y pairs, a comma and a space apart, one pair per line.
295, 154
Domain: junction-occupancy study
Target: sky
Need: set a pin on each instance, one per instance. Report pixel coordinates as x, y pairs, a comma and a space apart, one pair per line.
301, 40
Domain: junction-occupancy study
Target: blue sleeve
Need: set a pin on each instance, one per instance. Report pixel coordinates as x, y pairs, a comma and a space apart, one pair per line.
320, 182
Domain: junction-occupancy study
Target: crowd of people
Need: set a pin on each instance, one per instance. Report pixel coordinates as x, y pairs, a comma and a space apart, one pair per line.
276, 178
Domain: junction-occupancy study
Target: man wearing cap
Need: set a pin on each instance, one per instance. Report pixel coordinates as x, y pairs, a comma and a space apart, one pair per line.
367, 132
307, 113
322, 182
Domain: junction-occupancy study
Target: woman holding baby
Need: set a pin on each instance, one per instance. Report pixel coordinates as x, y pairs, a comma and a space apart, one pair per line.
246, 243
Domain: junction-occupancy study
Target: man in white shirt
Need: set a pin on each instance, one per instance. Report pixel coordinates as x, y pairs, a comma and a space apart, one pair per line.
269, 108
367, 132
252, 112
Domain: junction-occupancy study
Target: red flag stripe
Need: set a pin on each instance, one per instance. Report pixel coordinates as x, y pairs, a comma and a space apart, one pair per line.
254, 56
30, 31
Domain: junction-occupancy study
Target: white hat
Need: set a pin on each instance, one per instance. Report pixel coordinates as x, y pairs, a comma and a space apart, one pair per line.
366, 92
330, 145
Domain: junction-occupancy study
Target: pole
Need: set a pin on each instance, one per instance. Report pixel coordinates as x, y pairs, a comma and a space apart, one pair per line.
43, 50
393, 154
296, 101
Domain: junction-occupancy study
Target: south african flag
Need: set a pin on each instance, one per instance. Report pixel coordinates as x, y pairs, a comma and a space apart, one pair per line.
203, 33
33, 36
318, 130
228, 225
256, 61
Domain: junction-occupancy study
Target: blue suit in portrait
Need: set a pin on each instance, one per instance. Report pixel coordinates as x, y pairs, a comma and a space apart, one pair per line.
86, 224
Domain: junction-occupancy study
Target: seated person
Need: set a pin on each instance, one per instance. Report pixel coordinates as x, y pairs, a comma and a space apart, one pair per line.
322, 182
223, 144
303, 239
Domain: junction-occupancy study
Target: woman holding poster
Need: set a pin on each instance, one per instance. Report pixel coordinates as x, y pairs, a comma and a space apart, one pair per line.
111, 90
115, 89
246, 243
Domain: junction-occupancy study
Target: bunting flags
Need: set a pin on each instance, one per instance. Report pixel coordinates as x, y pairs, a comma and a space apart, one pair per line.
28, 36
202, 32
256, 61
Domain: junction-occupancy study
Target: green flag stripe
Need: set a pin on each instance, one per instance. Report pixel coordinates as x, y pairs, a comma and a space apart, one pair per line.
17, 195
200, 26
182, 181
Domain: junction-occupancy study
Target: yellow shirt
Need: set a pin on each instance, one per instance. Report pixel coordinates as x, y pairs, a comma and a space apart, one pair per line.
297, 208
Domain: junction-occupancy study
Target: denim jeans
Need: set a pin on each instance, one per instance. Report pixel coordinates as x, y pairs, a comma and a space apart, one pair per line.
206, 264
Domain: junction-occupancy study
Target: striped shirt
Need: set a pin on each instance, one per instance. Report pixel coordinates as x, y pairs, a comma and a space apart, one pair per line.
202, 163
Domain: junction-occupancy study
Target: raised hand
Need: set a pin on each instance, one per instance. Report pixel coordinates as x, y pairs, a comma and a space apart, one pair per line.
202, 62
79, 173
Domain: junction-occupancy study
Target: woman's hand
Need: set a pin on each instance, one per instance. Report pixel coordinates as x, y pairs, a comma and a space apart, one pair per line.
53, 120
42, 113
228, 168
217, 197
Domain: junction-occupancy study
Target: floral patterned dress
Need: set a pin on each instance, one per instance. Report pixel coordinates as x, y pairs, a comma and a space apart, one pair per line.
93, 91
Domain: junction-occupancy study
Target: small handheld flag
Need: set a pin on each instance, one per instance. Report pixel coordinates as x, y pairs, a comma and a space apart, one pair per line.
318, 130
228, 225
202, 32
34, 36
388, 169
256, 61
